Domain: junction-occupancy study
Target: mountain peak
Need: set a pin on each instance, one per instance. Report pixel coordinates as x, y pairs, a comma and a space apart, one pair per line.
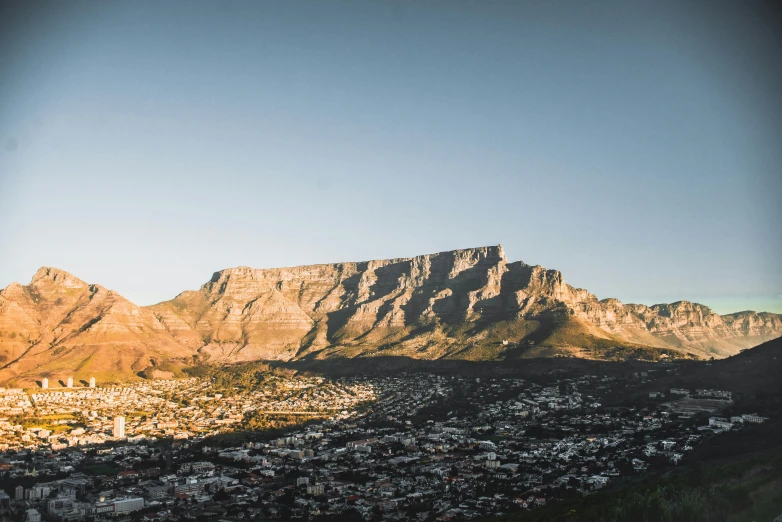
489, 251
48, 274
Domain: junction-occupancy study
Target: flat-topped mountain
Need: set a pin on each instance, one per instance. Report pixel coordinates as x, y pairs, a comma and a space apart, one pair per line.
466, 304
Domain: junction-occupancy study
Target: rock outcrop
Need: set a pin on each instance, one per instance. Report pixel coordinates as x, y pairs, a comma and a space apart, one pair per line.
458, 304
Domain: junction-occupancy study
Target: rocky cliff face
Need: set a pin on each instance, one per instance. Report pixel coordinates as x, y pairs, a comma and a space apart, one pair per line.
245, 313
459, 304
685, 326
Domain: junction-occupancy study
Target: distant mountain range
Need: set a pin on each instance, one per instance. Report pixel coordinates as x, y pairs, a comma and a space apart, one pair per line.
464, 304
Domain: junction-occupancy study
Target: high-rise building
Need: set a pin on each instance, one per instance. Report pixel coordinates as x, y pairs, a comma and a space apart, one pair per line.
19, 493
92, 382
70, 382
44, 383
119, 427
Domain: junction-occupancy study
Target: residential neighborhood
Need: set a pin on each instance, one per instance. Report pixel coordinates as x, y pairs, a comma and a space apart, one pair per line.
407, 447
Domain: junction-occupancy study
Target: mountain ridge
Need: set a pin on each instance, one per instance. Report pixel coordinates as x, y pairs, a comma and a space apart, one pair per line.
456, 304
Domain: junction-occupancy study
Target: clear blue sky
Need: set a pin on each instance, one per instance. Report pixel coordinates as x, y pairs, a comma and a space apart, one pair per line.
635, 146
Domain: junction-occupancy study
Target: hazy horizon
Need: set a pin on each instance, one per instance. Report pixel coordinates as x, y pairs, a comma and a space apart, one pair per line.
145, 146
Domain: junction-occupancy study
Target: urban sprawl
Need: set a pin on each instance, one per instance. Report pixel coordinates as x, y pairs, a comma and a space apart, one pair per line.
409, 447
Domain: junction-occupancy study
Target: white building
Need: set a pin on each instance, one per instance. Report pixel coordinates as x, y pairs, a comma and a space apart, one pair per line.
58, 506
44, 383
123, 505
32, 516
720, 422
119, 427
128, 504
722, 394
70, 382
315, 489
92, 382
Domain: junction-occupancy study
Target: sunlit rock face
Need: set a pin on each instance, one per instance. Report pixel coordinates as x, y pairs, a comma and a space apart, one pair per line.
430, 306
58, 326
457, 304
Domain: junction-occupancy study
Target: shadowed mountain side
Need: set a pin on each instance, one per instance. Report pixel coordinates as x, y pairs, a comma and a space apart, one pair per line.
755, 370
368, 366
551, 334
758, 368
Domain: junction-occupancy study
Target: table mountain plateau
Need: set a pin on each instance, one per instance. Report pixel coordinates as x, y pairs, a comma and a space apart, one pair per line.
462, 304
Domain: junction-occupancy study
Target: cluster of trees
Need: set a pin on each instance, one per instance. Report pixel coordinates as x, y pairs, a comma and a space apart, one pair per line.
273, 424
239, 377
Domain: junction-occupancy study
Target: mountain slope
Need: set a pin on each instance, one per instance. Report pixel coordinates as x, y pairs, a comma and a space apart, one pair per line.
461, 304
59, 326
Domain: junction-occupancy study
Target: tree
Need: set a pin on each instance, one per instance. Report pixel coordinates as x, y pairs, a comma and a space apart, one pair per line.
222, 494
